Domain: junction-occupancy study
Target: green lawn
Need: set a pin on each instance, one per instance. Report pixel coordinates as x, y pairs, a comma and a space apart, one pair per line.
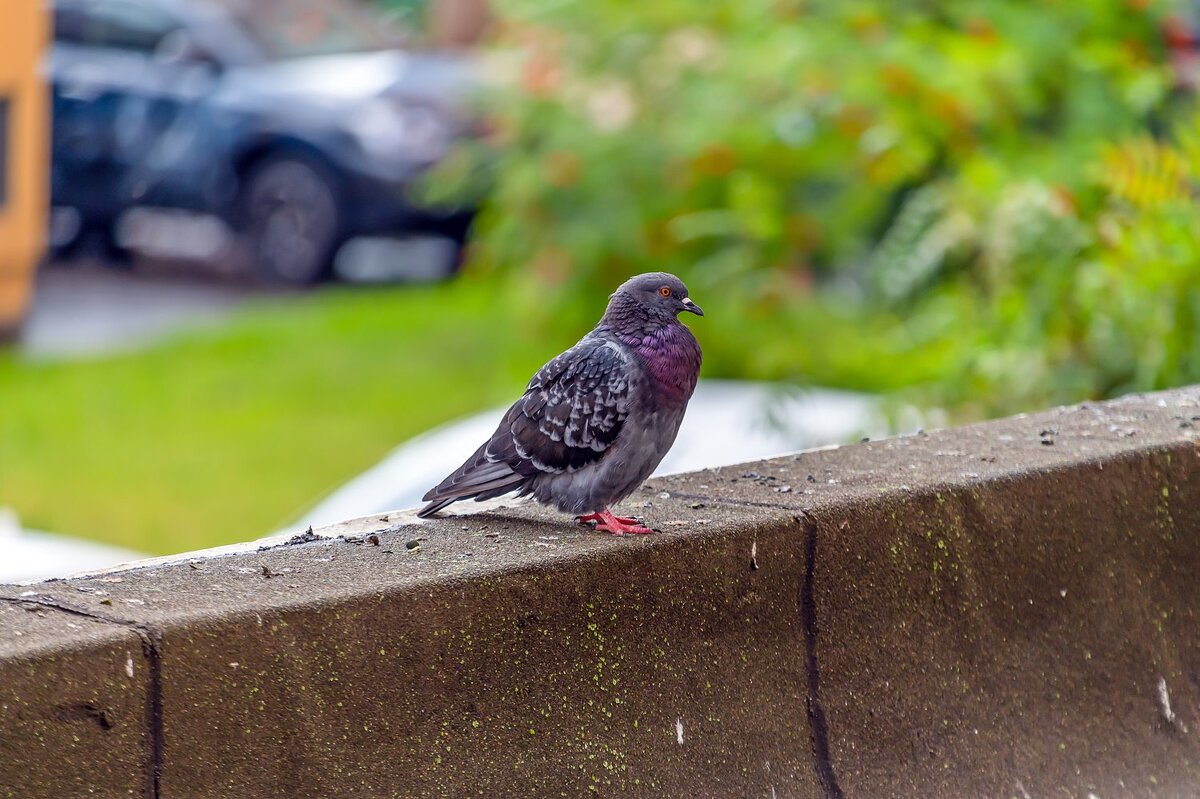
225, 435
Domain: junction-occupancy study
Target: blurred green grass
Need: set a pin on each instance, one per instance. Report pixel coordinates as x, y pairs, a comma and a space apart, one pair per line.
227, 434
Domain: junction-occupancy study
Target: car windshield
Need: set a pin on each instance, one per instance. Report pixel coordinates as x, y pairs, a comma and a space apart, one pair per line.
298, 28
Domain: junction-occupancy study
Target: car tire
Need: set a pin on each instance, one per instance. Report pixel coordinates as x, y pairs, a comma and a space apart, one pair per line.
458, 228
92, 238
291, 219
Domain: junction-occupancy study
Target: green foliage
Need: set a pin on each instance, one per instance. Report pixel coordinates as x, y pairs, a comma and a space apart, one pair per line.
1060, 298
901, 195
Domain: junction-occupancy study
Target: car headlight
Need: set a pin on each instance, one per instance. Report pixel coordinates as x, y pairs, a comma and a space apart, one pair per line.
399, 133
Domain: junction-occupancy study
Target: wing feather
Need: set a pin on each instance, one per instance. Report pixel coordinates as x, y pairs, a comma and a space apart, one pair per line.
572, 412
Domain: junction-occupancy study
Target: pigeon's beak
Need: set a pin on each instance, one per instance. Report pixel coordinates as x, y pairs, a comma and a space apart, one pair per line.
688, 305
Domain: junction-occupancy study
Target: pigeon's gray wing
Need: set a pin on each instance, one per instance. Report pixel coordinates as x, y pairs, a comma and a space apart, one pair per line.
571, 413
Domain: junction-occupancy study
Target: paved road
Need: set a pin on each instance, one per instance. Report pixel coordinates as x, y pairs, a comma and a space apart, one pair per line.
82, 310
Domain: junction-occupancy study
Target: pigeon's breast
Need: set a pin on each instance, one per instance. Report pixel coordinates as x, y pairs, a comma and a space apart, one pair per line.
672, 358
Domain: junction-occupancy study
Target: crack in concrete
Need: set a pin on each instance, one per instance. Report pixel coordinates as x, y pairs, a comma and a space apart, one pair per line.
150, 639
817, 725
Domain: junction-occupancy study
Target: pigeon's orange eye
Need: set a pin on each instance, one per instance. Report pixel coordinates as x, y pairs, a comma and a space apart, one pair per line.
666, 292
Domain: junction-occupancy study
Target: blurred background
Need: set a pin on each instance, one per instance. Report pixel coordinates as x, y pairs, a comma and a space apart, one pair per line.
250, 248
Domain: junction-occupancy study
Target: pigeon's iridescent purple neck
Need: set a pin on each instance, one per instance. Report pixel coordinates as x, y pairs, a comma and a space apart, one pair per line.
664, 344
672, 358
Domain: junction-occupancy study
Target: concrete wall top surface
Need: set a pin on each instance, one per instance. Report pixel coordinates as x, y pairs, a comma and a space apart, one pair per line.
1003, 609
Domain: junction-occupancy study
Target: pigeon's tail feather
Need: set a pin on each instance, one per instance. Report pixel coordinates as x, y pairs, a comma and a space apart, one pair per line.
488, 490
478, 478
499, 490
434, 507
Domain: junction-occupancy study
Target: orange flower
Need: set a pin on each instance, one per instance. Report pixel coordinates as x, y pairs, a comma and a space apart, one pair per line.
717, 160
948, 109
854, 120
1066, 199
898, 80
541, 74
981, 29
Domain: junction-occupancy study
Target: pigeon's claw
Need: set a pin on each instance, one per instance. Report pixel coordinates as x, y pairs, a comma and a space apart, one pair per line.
599, 518
617, 525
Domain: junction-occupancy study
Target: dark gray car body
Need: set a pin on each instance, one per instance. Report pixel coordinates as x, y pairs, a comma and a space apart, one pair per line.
170, 104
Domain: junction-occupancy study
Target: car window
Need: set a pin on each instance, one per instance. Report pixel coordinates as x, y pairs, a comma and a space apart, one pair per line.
116, 24
68, 24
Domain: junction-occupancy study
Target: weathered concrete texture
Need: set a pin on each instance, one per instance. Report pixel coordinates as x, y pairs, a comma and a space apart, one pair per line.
73, 706
1018, 633
1007, 609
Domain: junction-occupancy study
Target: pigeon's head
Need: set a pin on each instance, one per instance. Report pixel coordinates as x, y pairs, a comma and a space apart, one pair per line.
657, 294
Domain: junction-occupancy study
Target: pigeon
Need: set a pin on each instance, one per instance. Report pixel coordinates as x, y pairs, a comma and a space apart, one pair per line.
595, 421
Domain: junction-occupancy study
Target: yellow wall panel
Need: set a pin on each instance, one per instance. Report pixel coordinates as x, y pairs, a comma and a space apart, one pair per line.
24, 33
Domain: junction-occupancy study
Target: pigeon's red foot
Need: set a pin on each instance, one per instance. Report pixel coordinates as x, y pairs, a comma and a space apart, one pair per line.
617, 525
600, 517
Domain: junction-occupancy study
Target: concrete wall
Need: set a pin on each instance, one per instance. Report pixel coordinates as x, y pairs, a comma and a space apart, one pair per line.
1007, 610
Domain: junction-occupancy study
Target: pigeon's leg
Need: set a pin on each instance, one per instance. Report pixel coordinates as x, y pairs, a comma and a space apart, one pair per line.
619, 526
596, 517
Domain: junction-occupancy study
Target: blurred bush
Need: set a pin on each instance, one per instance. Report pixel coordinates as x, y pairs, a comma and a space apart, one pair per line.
956, 200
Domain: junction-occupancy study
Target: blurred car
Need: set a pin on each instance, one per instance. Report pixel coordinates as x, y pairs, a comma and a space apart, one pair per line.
298, 124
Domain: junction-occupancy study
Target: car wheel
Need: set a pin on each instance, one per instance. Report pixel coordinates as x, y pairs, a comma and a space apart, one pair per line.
457, 227
291, 219
74, 237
